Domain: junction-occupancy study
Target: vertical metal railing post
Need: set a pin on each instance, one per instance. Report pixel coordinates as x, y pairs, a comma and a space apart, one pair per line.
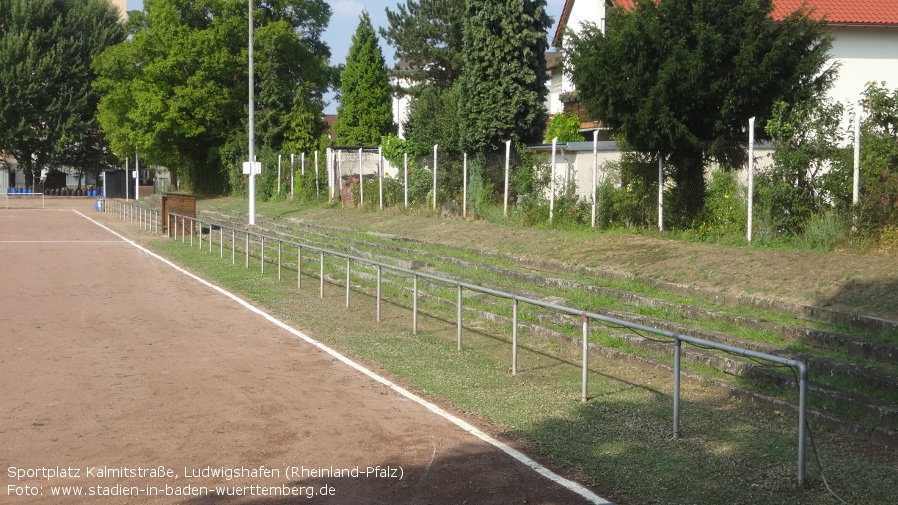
583, 394
321, 277
279, 260
676, 392
262, 241
211, 238
247, 249
802, 419
458, 319
514, 336
221, 242
201, 236
233, 247
192, 230
378, 293
299, 267
183, 224
347, 281
415, 306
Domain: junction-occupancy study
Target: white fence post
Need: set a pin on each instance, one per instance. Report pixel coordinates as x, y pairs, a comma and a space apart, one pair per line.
317, 186
751, 175
507, 164
380, 175
329, 165
279, 174
660, 193
361, 181
855, 194
435, 177
292, 181
552, 182
464, 191
405, 178
595, 169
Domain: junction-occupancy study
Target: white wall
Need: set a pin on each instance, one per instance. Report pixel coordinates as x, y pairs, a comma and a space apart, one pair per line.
865, 54
583, 11
554, 81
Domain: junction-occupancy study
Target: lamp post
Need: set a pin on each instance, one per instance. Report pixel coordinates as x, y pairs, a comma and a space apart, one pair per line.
252, 126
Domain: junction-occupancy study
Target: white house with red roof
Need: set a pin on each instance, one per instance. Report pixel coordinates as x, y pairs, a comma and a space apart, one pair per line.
865, 39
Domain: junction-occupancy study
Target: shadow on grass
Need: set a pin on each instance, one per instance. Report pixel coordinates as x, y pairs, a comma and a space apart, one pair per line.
876, 299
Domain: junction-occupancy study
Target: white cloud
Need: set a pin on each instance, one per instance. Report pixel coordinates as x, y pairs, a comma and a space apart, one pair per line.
347, 9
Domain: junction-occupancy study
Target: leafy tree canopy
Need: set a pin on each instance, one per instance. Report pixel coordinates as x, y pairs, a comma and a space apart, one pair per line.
365, 113
177, 90
427, 35
682, 77
565, 128
503, 81
47, 106
433, 119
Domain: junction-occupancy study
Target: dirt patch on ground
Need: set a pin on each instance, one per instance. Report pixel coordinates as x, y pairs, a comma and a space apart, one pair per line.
860, 283
117, 370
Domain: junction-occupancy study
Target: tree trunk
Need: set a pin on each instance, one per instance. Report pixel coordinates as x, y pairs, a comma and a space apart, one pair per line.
689, 176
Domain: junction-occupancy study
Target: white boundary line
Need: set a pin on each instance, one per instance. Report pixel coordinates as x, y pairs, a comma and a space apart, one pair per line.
464, 425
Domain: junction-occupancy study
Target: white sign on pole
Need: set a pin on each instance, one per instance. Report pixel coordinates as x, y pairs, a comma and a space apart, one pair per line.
256, 168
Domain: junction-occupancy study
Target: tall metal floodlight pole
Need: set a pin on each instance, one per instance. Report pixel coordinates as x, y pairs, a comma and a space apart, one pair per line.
252, 126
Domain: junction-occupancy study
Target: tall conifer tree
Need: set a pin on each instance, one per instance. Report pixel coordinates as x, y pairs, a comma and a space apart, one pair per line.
365, 113
503, 84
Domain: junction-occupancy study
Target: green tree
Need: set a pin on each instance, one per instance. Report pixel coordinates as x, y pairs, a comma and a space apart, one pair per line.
806, 139
365, 113
427, 35
433, 119
565, 128
878, 205
682, 77
176, 91
47, 105
503, 81
292, 70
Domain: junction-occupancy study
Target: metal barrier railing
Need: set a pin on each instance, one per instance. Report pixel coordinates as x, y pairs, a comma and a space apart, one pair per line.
678, 339
147, 218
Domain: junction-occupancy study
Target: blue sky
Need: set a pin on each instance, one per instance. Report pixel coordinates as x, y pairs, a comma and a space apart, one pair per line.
345, 19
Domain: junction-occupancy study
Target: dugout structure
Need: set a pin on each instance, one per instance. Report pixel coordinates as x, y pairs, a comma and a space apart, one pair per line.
181, 204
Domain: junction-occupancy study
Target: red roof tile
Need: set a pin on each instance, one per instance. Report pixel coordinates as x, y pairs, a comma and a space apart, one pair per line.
854, 12
838, 12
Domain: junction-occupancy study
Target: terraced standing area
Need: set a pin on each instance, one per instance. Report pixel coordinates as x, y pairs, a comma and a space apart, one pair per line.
853, 369
852, 352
